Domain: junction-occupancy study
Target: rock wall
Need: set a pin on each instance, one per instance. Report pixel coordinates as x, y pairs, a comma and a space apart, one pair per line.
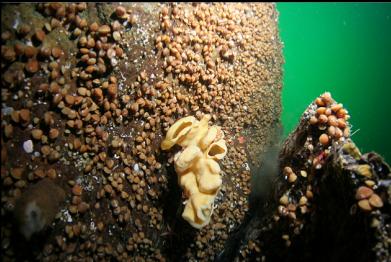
89, 91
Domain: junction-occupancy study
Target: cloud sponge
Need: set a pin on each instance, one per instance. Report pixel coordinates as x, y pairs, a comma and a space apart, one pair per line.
196, 165
37, 207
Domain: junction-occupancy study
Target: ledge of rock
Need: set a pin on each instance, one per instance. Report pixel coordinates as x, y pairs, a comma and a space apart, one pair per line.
329, 202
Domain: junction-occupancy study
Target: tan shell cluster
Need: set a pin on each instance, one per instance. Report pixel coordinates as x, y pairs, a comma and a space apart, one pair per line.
196, 165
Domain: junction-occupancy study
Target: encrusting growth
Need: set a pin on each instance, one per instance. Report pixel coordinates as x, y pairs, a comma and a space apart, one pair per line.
196, 165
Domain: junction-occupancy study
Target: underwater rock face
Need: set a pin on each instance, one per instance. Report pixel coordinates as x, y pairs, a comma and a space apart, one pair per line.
329, 203
94, 88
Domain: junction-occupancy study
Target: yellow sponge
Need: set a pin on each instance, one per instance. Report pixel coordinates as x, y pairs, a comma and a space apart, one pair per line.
196, 165
177, 131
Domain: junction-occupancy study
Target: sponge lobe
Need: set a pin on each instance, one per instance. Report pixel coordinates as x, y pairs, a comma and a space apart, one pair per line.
196, 165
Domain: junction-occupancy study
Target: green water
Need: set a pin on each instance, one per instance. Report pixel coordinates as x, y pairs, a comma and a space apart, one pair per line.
344, 48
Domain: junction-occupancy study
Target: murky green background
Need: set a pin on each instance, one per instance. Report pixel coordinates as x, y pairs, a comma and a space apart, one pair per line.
344, 48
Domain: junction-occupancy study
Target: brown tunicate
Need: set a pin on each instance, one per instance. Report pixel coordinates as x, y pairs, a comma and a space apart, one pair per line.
94, 27
332, 120
57, 52
8, 131
324, 139
82, 91
91, 61
54, 23
54, 156
82, 41
53, 65
319, 102
60, 11
30, 51
81, 7
53, 133
45, 52
338, 133
331, 131
303, 201
24, 115
37, 134
313, 120
282, 211
116, 36
82, 207
116, 26
45, 150
284, 200
69, 99
78, 100
6, 35
76, 32
57, 99
321, 110
39, 173
346, 132
328, 112
322, 119
364, 205
76, 143
48, 118
77, 190
52, 173
98, 94
120, 11
82, 23
288, 170
104, 30
164, 11
19, 48
90, 42
326, 97
54, 74
90, 69
17, 172
112, 90
363, 192
375, 201
110, 53
8, 53
40, 35
132, 20
24, 29
341, 123
292, 178
336, 107
309, 194
32, 66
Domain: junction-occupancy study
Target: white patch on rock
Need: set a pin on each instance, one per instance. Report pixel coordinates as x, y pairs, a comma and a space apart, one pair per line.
28, 146
7, 110
34, 220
